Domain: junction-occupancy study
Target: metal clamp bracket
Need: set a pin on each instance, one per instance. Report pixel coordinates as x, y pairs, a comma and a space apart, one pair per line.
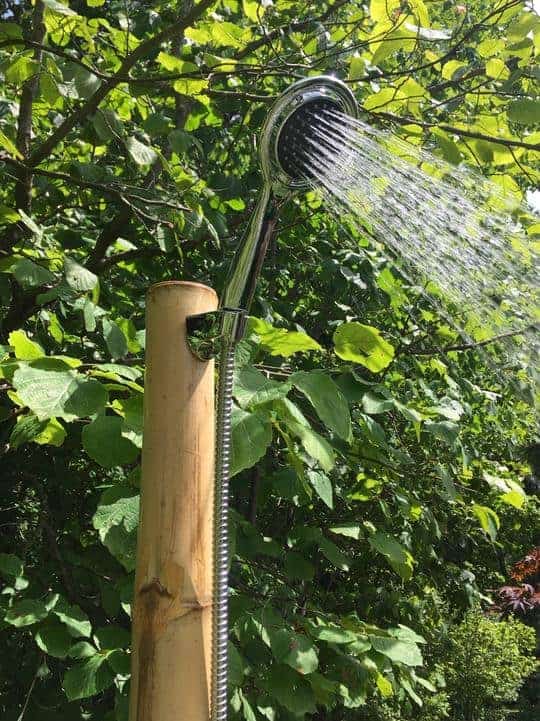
207, 331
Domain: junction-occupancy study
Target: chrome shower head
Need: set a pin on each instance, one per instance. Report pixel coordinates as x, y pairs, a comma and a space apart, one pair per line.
292, 124
284, 146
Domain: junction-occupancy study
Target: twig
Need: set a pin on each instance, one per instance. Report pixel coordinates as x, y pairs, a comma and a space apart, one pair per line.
30, 691
470, 345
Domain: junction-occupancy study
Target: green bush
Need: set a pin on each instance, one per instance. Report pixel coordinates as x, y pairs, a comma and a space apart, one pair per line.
486, 662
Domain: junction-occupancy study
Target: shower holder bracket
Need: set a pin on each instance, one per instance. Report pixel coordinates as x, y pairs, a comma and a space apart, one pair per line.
207, 331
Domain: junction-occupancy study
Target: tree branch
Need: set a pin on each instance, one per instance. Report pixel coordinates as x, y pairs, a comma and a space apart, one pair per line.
462, 132
91, 105
470, 345
23, 186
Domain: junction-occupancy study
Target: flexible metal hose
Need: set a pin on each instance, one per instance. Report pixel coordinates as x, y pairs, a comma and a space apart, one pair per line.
221, 532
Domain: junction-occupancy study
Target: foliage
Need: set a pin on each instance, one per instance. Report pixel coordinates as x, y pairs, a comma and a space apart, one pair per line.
487, 661
380, 463
523, 599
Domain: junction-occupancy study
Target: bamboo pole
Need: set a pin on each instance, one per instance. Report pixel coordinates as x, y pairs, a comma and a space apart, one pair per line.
172, 609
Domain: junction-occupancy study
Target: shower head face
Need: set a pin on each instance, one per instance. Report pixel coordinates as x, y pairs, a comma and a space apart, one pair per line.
299, 137
293, 125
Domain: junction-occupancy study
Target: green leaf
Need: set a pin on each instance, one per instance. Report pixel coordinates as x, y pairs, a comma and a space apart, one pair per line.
26, 612
296, 567
251, 436
11, 148
105, 443
117, 521
25, 430
54, 640
327, 399
20, 70
363, 344
496, 68
59, 8
88, 678
278, 341
64, 394
322, 485
112, 637
10, 30
142, 154
115, 339
73, 618
78, 277
236, 666
446, 431
334, 554
397, 651
11, 566
82, 649
489, 520
332, 633
384, 686
351, 530
397, 555
315, 445
31, 275
373, 404
253, 388
295, 650
291, 689
52, 434
525, 111
25, 349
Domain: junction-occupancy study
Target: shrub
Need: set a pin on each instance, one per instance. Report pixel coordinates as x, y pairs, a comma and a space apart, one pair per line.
486, 662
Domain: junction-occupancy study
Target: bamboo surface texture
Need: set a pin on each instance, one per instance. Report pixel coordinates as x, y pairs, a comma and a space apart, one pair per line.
172, 608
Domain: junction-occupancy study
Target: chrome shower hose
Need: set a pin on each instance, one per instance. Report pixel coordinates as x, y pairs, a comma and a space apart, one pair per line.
221, 532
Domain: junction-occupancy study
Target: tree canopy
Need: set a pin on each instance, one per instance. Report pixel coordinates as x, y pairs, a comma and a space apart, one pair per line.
396, 453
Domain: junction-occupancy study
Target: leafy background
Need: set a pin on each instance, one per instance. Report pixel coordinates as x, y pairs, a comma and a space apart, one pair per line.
394, 454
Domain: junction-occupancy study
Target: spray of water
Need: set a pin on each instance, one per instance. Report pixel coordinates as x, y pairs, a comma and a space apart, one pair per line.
454, 229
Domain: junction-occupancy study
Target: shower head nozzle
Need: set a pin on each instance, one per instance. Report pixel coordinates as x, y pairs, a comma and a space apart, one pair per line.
292, 125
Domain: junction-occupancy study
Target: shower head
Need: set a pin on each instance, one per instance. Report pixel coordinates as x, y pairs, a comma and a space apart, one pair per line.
293, 123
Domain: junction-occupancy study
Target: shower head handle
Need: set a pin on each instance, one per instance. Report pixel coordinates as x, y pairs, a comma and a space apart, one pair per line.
284, 145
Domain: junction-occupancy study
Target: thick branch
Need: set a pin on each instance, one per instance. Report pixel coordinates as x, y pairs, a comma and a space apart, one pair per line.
23, 187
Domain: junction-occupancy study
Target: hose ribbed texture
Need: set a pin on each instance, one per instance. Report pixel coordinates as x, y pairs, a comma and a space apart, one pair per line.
221, 533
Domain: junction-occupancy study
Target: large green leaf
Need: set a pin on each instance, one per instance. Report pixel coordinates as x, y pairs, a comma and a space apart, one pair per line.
59, 394
291, 690
115, 339
88, 678
30, 274
525, 111
78, 277
489, 520
397, 555
26, 613
253, 388
363, 344
116, 520
104, 441
397, 650
323, 486
278, 341
74, 619
251, 436
54, 640
327, 399
295, 650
